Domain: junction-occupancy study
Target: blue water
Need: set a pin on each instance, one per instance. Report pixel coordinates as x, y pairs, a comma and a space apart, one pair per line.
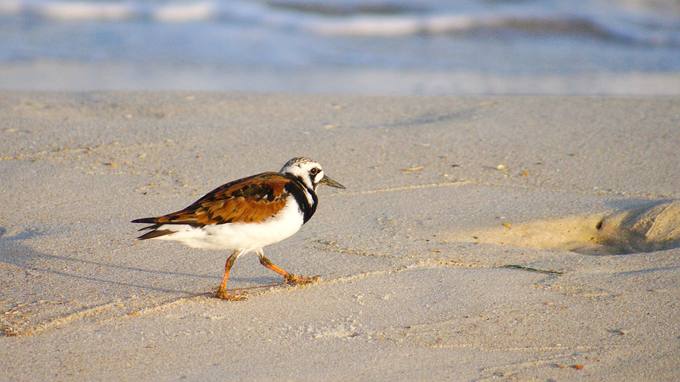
359, 46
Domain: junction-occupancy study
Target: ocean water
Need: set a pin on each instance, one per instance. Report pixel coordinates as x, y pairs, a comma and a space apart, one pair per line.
343, 46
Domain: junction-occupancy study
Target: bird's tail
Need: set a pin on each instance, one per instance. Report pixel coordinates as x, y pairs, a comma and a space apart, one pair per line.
154, 231
145, 220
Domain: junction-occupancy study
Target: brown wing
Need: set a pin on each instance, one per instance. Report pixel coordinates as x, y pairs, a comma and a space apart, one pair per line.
246, 200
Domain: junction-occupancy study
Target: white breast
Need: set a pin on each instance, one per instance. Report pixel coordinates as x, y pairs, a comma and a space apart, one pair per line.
244, 236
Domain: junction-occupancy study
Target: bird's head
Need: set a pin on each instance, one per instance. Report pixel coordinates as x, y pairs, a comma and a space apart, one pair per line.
308, 172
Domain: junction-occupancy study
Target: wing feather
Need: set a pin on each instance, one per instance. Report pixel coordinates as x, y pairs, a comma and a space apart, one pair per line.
247, 200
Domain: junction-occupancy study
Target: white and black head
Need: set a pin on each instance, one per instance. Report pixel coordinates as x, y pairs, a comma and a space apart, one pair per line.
309, 173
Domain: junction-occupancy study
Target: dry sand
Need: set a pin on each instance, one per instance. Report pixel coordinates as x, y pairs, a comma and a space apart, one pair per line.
519, 238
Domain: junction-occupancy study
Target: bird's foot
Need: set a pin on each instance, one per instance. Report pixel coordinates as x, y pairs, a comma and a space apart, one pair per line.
225, 295
300, 280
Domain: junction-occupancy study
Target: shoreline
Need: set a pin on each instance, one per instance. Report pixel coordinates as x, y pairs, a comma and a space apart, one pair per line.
65, 76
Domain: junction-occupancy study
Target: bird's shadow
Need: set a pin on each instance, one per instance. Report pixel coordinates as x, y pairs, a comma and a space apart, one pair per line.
13, 252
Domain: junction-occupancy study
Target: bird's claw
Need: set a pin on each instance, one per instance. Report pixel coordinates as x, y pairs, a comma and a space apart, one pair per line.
225, 295
300, 280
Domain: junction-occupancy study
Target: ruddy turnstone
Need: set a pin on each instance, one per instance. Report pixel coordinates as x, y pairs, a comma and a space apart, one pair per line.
246, 215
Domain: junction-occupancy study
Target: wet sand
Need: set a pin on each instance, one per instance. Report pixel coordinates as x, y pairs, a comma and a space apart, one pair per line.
479, 238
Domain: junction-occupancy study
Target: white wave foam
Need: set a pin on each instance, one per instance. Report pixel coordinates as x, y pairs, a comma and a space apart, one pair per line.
177, 11
399, 25
82, 10
182, 12
535, 22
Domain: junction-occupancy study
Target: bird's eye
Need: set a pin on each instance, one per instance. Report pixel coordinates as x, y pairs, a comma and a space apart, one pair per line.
314, 171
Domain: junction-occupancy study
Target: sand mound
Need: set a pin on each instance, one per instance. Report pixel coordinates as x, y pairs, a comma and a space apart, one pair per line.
645, 229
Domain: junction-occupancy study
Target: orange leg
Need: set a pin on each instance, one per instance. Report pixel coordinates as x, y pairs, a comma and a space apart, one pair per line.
222, 290
288, 277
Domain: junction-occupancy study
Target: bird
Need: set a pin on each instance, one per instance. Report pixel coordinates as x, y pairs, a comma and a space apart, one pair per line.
245, 215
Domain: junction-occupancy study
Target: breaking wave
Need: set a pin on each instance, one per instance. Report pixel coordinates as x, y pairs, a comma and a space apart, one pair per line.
363, 19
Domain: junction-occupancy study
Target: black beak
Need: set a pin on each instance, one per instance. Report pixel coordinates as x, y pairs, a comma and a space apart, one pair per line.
330, 182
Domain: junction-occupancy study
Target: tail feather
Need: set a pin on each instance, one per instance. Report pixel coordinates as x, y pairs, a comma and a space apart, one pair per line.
149, 227
155, 233
145, 220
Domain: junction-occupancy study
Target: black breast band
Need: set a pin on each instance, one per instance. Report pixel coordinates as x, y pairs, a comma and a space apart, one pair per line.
297, 188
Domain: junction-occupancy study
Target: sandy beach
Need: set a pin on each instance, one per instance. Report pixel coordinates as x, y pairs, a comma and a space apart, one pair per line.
479, 238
